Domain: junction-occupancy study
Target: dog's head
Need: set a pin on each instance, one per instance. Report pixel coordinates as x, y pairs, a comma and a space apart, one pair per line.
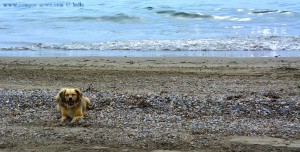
70, 97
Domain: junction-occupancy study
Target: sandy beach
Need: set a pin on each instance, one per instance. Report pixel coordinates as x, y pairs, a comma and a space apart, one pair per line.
152, 104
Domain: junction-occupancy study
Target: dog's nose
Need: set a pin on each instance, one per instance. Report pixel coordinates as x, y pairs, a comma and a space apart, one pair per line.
71, 102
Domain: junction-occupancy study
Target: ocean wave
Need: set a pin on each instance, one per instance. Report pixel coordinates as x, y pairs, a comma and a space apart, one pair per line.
184, 14
117, 18
201, 16
269, 11
229, 44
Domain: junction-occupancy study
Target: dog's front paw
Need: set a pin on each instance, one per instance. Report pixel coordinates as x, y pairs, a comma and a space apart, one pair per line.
76, 119
78, 122
73, 121
81, 121
63, 119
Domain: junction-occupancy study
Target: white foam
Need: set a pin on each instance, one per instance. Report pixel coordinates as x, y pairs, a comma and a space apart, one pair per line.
221, 17
244, 19
241, 43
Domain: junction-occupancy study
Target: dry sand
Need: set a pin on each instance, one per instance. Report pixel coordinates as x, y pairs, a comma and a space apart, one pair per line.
252, 104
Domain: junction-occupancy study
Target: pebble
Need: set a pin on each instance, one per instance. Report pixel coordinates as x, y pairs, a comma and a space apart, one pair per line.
159, 117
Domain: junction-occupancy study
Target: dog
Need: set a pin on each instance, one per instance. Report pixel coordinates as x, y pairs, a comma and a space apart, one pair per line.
71, 104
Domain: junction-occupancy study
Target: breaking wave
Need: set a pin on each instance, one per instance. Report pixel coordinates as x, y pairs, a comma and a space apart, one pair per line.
271, 43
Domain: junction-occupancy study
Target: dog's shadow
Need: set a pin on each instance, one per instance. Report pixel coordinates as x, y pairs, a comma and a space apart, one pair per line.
67, 123
79, 123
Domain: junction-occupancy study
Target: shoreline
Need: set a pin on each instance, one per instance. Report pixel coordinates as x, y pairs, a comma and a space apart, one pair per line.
153, 103
182, 61
150, 53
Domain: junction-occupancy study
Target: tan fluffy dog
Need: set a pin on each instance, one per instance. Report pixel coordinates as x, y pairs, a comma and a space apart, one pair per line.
71, 104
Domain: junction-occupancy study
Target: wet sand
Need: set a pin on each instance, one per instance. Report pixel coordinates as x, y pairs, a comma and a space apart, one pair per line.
153, 103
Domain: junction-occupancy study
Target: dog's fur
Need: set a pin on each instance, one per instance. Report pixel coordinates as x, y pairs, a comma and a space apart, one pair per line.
71, 104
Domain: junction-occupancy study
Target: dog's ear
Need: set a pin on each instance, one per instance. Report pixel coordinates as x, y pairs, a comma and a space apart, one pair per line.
62, 94
78, 93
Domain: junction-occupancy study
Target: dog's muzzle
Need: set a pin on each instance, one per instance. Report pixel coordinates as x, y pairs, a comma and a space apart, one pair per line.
71, 102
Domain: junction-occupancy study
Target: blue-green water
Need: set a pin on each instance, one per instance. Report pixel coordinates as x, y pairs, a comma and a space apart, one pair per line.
159, 27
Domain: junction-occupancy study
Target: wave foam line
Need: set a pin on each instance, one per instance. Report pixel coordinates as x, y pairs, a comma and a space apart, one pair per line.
231, 44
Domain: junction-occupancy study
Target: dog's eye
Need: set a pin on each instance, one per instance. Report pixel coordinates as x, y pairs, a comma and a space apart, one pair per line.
73, 94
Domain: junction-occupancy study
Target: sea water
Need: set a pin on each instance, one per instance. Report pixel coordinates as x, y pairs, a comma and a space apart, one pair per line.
231, 28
